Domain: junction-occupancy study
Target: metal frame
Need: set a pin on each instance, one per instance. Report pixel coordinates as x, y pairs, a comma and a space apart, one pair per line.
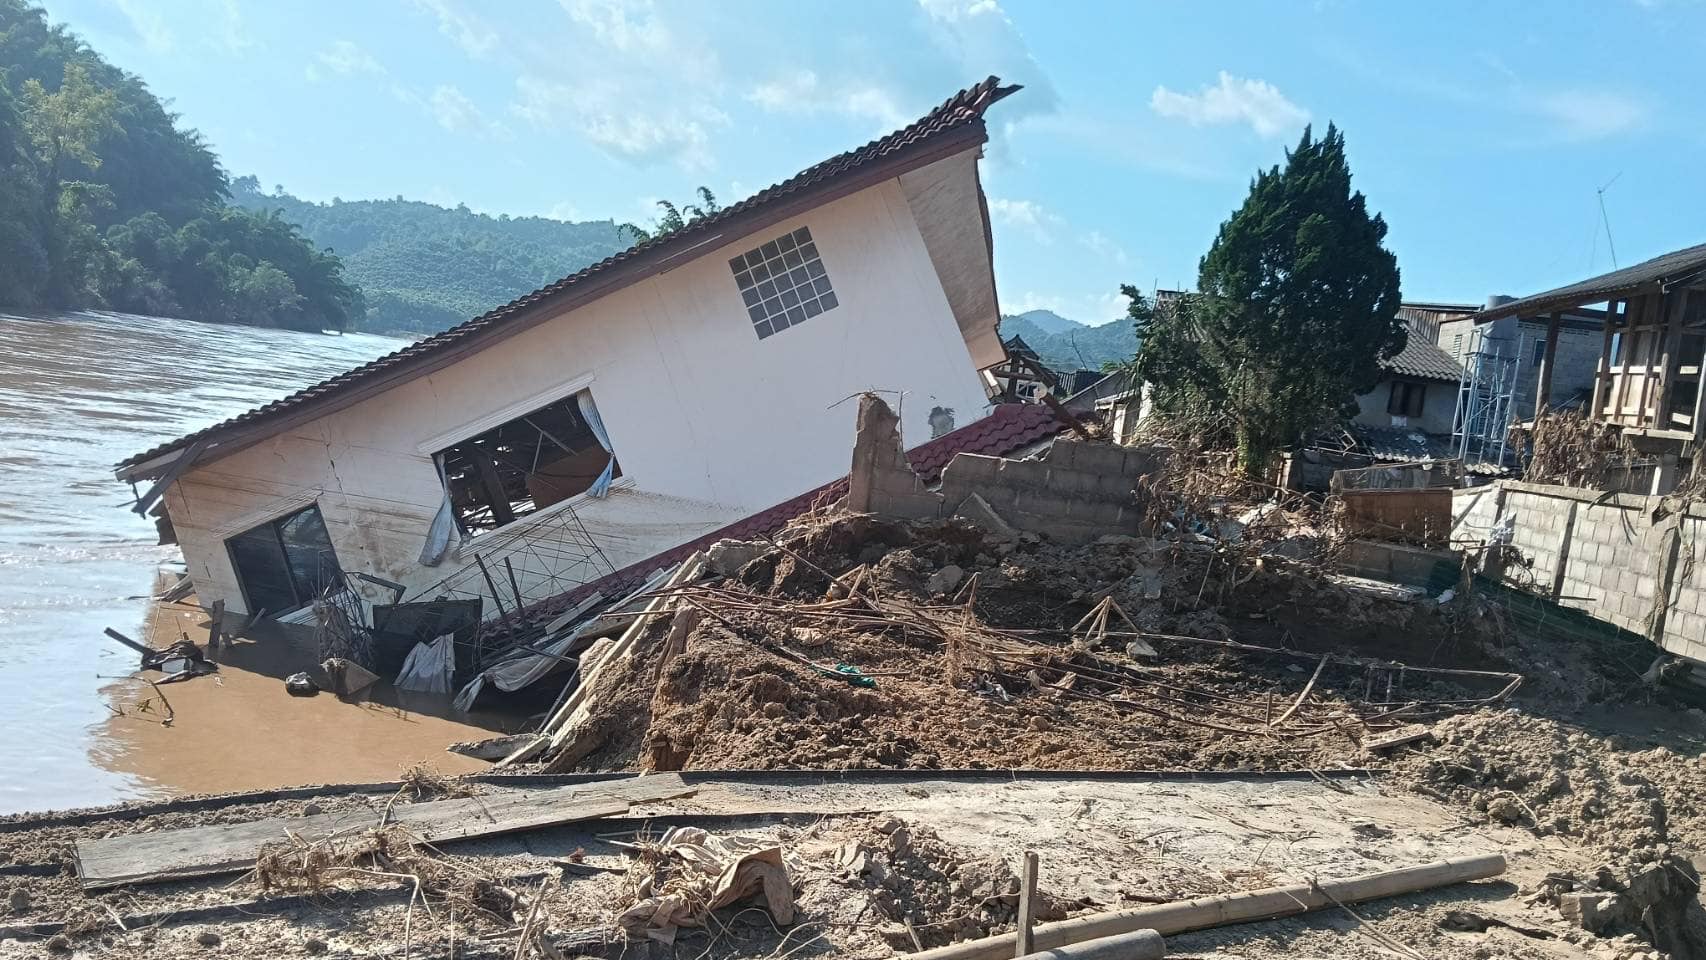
1485, 394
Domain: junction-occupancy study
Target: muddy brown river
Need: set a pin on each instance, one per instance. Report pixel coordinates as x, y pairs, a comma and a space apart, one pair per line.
77, 394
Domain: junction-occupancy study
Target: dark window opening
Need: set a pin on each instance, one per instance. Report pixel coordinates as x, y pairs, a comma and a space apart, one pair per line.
1406, 399
1539, 352
1683, 394
285, 563
523, 466
1691, 351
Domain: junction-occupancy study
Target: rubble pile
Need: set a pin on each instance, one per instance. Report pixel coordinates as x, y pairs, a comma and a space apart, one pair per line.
857, 642
927, 892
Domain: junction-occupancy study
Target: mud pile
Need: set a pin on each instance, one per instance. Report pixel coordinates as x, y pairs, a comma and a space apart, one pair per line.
757, 687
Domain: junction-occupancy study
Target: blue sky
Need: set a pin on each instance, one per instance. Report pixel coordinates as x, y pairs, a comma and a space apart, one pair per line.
1481, 131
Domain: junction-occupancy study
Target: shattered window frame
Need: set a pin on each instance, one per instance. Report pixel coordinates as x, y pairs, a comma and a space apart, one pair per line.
783, 283
520, 453
301, 544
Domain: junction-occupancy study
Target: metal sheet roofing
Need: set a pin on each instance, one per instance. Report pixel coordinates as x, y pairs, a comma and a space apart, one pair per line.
958, 113
1676, 265
1423, 358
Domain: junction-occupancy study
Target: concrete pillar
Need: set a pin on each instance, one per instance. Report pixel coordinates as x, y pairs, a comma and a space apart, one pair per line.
1664, 478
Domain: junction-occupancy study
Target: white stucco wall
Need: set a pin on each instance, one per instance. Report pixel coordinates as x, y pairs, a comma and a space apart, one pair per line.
709, 422
1439, 405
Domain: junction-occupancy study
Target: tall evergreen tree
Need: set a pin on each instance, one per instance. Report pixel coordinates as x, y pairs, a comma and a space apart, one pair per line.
1297, 304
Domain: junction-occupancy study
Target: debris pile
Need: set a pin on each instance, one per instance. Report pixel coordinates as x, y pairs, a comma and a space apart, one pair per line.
928, 892
857, 642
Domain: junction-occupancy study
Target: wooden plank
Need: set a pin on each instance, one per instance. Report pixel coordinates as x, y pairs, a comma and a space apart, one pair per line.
1602, 371
231, 848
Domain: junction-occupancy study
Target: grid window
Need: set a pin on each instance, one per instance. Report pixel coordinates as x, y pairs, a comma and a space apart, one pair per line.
783, 283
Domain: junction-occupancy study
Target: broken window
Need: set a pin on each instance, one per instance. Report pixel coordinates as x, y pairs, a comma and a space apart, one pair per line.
527, 464
783, 282
286, 563
1406, 399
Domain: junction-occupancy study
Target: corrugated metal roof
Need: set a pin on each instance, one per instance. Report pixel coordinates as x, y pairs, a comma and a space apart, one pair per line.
1661, 269
961, 110
1423, 358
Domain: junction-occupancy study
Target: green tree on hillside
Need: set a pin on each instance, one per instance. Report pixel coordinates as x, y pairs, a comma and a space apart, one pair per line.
23, 256
1297, 305
106, 202
674, 217
65, 126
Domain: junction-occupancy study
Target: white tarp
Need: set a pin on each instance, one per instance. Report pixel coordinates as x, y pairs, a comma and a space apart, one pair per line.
430, 666
513, 674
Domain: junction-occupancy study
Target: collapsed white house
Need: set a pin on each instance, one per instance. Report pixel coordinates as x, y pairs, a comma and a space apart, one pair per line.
665, 392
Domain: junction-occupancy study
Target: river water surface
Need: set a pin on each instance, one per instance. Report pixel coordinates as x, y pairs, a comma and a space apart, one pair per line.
78, 394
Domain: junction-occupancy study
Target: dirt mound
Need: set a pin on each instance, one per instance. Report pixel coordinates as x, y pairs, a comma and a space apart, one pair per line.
1560, 779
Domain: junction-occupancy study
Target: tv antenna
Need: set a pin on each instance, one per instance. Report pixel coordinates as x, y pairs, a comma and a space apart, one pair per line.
1605, 219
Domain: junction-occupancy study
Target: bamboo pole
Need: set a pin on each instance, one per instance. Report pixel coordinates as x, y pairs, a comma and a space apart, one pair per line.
1137, 945
1170, 918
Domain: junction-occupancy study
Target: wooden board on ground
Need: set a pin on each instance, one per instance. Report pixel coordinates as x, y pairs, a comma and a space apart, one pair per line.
164, 855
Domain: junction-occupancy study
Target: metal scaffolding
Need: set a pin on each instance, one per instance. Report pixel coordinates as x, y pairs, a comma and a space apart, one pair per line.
1486, 392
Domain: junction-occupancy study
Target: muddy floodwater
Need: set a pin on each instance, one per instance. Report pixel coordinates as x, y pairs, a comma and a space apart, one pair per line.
78, 394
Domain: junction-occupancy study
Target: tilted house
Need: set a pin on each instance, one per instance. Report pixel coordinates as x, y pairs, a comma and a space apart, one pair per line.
691, 381
1652, 338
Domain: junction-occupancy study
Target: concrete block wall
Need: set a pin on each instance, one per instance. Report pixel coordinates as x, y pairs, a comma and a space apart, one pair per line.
1474, 510
1608, 555
1077, 492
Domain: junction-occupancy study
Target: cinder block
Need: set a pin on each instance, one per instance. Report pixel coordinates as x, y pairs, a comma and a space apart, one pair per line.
971, 468
1099, 458
1138, 460
1023, 473
1063, 452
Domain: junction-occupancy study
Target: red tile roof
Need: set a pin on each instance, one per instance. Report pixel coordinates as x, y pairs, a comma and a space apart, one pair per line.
1008, 428
963, 112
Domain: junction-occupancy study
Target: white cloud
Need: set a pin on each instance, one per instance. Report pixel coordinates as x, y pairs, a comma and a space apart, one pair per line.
465, 29
649, 83
801, 91
149, 26
631, 26
455, 112
1233, 100
1593, 114
343, 58
1105, 247
595, 111
1027, 215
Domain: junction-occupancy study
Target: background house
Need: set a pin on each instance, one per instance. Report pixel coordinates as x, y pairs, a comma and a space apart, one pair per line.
1650, 356
1520, 341
663, 393
1417, 391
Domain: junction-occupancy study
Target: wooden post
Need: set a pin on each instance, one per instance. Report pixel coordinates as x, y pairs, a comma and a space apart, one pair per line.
1543, 392
1602, 371
1027, 903
215, 624
1670, 340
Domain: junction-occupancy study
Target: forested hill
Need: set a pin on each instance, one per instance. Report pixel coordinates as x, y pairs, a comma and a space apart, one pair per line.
1066, 345
424, 267
106, 202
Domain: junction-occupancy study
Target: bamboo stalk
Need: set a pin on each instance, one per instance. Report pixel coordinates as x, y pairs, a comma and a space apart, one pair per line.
1170, 918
